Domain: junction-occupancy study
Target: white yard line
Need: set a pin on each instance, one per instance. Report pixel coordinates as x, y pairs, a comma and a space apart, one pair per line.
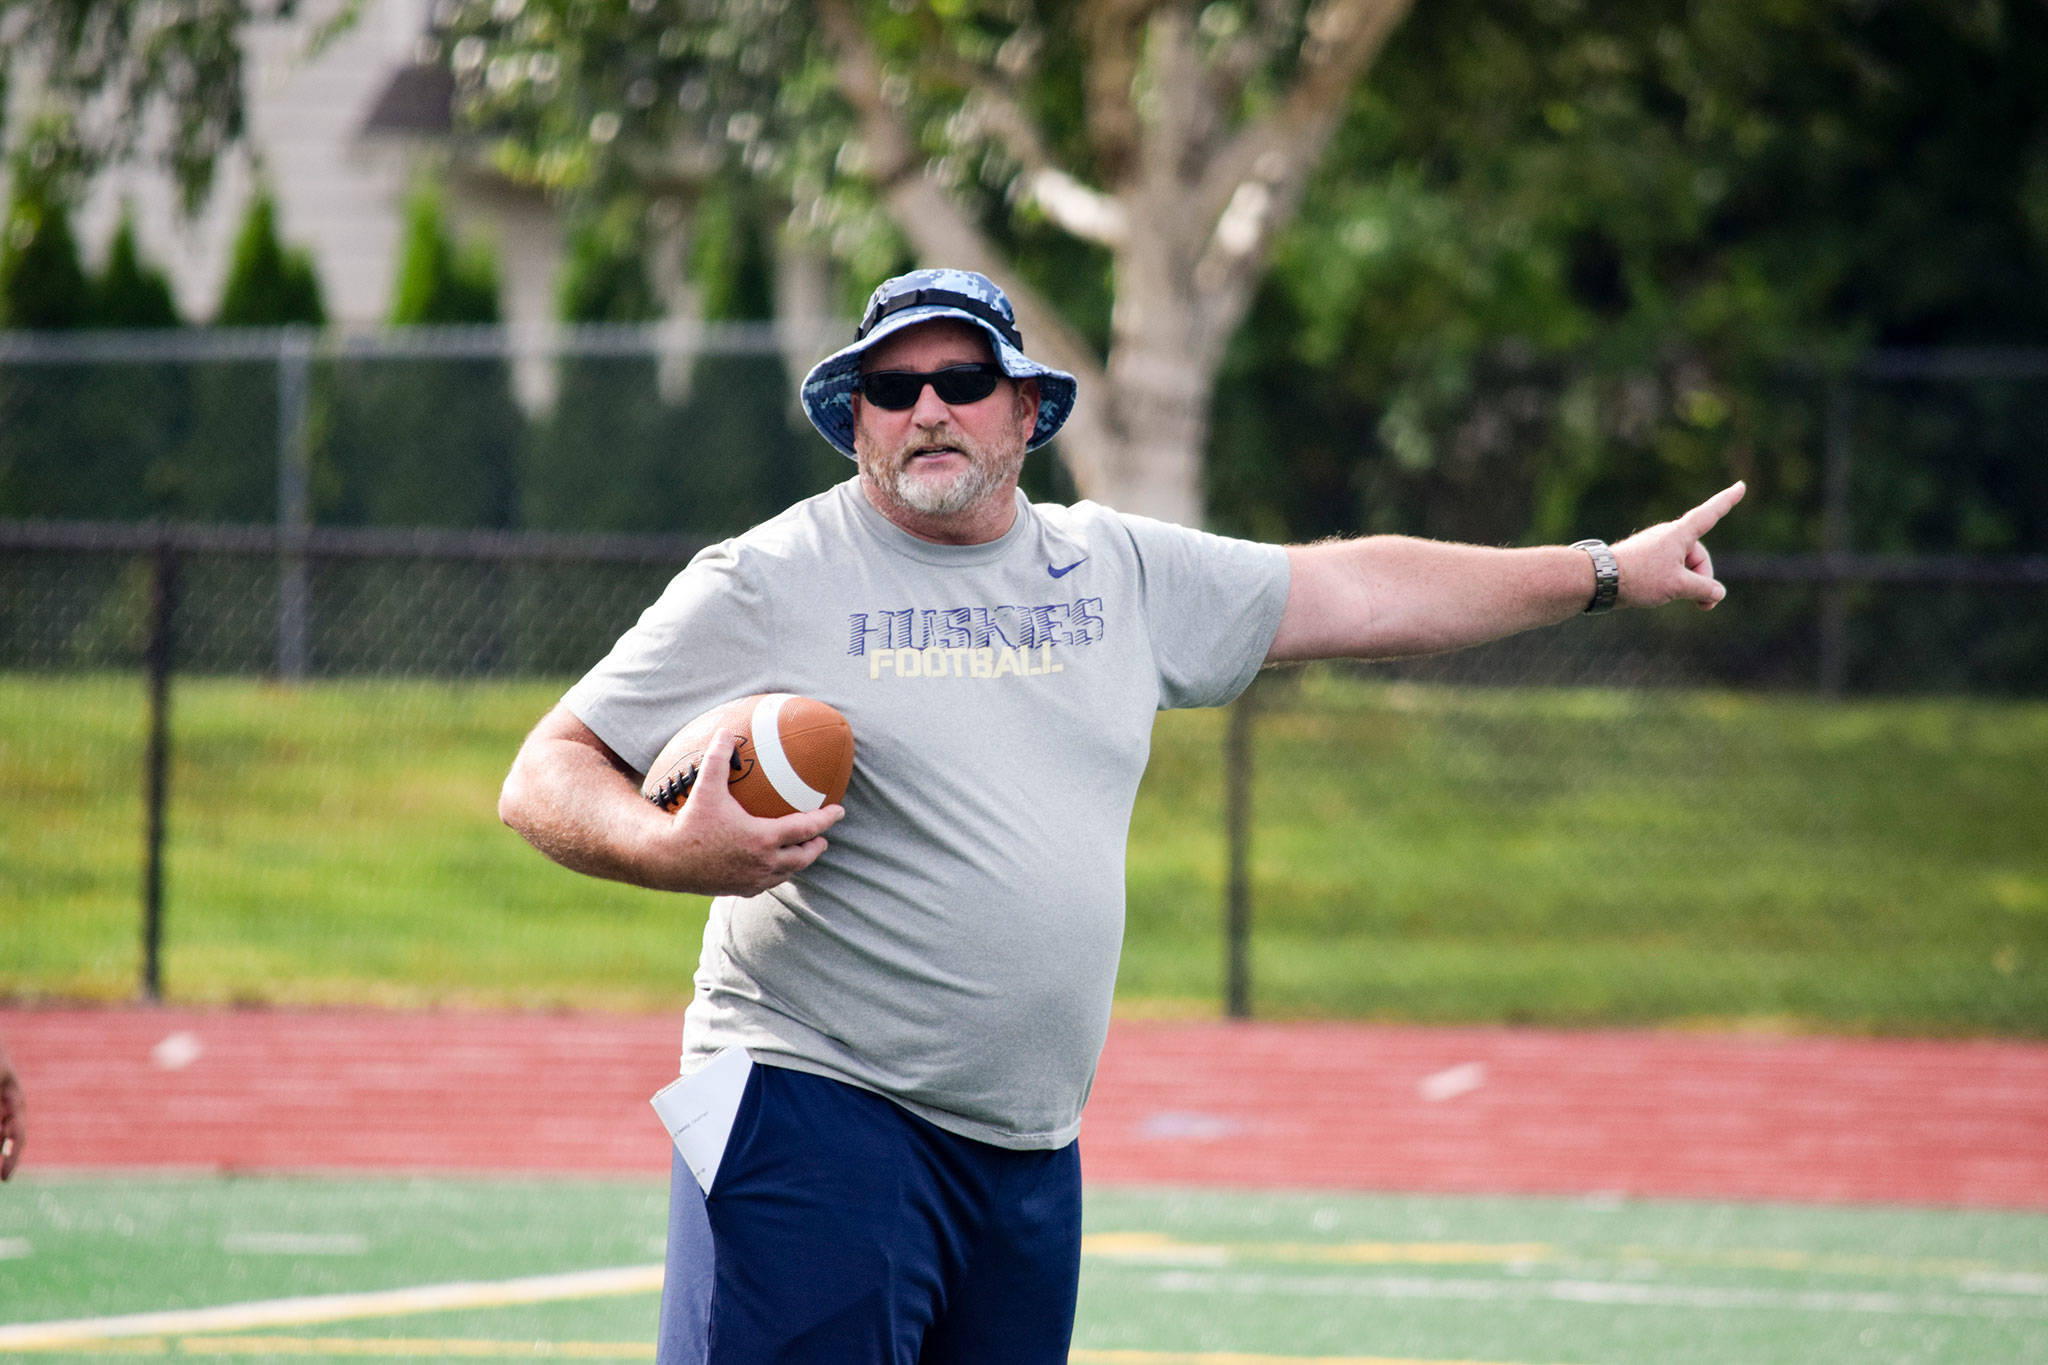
1086, 1357
299, 1312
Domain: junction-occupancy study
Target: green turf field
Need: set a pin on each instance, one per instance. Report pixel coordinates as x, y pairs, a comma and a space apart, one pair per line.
1569, 856
341, 1270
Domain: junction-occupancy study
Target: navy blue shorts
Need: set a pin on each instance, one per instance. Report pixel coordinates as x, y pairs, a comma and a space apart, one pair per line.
842, 1228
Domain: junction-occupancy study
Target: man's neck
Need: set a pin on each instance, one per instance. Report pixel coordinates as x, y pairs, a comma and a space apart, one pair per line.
987, 520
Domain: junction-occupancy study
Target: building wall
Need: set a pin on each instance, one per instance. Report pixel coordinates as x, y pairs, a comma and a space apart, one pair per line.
339, 193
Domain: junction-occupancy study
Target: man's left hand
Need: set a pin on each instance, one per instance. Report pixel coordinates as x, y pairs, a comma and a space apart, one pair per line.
1668, 562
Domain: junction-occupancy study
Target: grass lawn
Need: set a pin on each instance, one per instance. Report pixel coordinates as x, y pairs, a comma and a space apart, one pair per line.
1569, 856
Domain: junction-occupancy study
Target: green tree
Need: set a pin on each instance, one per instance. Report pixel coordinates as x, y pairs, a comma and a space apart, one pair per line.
225, 467
440, 280
129, 291
137, 414
742, 457
268, 283
617, 454
1168, 143
175, 71
87, 440
426, 441
601, 459
43, 287
1558, 273
1544, 266
604, 275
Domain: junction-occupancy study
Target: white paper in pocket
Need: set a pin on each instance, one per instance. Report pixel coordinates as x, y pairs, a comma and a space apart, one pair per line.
698, 1111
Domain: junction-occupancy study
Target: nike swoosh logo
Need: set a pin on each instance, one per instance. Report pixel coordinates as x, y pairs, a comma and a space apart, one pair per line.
1062, 573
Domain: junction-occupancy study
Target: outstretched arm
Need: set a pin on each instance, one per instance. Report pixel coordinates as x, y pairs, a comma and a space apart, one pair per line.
1386, 597
574, 799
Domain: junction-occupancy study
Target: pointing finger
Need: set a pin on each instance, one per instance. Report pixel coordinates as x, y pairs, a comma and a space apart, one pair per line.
1701, 519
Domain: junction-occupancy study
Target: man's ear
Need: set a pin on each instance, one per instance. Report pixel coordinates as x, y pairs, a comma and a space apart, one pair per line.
1027, 407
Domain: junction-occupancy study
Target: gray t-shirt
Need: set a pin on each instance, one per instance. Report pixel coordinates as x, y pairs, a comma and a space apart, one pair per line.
956, 946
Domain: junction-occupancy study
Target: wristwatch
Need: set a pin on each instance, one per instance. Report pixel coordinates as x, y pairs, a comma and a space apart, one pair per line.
1606, 575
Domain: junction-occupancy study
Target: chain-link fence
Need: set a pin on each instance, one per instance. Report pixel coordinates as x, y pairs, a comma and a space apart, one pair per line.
667, 428
256, 757
1639, 817
363, 602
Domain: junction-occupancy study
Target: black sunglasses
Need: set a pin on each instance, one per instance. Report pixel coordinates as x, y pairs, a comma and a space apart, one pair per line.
899, 389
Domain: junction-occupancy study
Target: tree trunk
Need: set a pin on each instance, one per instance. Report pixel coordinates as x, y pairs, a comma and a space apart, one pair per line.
1190, 212
1158, 398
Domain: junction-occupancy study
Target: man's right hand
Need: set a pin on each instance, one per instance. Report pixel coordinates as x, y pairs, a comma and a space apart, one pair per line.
715, 848
573, 798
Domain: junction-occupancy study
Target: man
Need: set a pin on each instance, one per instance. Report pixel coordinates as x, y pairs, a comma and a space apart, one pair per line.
926, 992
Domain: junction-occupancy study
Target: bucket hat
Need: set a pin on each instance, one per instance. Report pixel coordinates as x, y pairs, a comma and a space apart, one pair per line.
921, 296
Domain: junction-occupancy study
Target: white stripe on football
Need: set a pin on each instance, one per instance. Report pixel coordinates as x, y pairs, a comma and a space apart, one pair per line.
793, 754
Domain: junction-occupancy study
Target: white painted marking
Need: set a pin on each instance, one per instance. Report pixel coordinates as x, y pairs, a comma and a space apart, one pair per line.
295, 1244
1452, 1082
416, 1348
2005, 1282
1593, 1292
1114, 1356
1189, 1127
177, 1051
775, 764
14, 1248
299, 1312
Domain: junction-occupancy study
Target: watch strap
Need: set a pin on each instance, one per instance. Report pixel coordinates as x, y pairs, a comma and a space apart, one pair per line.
1606, 575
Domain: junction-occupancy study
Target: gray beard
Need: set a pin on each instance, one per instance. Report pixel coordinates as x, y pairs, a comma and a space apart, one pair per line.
935, 499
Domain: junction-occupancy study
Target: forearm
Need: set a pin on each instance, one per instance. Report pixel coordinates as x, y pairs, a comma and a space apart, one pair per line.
574, 799
1392, 596
1388, 596
586, 813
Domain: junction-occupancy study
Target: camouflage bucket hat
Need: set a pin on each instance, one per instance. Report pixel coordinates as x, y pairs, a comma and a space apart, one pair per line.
921, 296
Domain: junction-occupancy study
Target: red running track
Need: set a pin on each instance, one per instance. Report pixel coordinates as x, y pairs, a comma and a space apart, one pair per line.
1253, 1105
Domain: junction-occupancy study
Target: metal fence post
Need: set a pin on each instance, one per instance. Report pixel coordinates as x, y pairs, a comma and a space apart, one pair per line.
1237, 825
157, 661
294, 498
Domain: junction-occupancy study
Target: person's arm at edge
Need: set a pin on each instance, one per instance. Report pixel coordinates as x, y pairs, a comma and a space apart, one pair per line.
13, 1116
1385, 597
573, 798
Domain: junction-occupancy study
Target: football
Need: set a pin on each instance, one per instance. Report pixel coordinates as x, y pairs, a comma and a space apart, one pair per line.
791, 754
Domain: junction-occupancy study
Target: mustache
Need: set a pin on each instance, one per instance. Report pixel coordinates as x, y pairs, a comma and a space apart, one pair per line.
937, 443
